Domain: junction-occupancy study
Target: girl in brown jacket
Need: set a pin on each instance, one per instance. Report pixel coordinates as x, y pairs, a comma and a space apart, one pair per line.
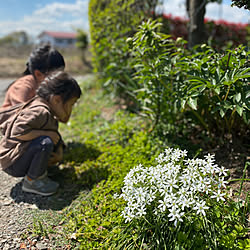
32, 134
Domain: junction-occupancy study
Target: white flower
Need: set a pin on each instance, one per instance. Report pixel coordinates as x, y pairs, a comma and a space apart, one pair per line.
128, 215
185, 179
222, 171
163, 205
184, 153
200, 207
173, 203
210, 168
116, 196
168, 151
218, 195
160, 158
173, 185
222, 183
184, 202
141, 211
175, 215
207, 189
209, 157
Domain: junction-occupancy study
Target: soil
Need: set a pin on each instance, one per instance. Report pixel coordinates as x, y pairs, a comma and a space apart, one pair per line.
18, 211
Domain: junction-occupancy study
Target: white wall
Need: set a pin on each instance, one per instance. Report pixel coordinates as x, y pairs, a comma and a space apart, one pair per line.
62, 43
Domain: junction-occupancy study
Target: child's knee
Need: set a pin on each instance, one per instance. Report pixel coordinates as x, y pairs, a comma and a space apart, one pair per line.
47, 143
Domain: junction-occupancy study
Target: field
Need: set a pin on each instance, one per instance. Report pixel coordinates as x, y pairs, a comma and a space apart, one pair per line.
13, 61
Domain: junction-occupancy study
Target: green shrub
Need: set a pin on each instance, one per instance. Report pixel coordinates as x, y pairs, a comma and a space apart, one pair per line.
111, 23
206, 88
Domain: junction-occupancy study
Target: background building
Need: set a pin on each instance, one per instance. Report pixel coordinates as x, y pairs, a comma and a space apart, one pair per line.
57, 39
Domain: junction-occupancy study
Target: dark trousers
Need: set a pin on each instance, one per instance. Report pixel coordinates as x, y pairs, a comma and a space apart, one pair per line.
34, 161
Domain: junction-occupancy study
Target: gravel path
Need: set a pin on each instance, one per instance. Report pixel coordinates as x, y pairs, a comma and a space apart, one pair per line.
15, 207
18, 209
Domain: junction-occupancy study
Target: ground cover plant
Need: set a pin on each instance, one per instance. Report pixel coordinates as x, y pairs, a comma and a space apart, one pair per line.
105, 143
180, 203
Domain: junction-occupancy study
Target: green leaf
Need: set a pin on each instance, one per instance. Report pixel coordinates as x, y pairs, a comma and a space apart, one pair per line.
238, 97
222, 113
217, 90
199, 79
192, 103
239, 110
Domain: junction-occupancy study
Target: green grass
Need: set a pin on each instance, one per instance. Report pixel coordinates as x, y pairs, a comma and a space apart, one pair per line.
103, 143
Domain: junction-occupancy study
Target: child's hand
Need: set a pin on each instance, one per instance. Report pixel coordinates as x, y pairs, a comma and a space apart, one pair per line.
56, 156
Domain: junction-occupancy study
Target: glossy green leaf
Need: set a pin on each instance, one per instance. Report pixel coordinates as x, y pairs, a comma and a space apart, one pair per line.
239, 110
192, 103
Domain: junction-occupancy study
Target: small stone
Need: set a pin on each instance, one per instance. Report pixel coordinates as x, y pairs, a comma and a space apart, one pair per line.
6, 203
41, 246
33, 206
6, 247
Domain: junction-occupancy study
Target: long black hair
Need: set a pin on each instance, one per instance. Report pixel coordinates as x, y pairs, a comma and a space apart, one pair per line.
45, 59
59, 83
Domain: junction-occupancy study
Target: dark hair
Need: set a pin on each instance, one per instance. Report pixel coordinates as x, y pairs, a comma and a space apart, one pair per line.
59, 83
45, 59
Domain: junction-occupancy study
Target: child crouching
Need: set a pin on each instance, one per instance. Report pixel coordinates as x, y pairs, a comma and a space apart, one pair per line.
31, 139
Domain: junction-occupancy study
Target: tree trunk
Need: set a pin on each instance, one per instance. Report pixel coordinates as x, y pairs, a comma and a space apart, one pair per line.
196, 11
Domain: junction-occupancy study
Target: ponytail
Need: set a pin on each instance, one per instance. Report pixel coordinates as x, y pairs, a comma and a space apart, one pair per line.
27, 70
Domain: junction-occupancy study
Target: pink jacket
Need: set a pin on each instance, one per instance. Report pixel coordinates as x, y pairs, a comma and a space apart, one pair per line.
22, 90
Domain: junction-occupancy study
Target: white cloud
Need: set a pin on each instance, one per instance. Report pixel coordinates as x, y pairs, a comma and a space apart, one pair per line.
176, 8
59, 9
56, 16
225, 12
214, 11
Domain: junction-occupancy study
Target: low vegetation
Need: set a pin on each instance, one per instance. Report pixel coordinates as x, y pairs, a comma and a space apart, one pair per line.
104, 143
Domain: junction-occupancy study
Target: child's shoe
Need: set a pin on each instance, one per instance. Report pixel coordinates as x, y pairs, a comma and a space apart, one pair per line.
43, 186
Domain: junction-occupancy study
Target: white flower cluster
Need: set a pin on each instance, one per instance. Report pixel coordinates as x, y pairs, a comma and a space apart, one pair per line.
173, 187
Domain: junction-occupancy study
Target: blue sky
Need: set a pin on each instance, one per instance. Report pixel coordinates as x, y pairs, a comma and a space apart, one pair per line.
34, 16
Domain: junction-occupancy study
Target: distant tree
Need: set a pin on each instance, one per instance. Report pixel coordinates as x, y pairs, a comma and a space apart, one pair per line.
196, 10
241, 3
82, 43
17, 38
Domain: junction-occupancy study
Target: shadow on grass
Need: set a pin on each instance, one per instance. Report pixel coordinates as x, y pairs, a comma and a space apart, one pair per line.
71, 182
